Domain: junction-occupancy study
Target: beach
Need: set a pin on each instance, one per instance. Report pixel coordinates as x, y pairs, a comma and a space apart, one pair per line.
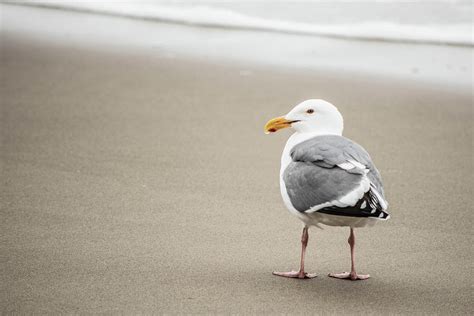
135, 180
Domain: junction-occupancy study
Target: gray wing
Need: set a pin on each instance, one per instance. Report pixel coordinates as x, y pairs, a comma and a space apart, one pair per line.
324, 169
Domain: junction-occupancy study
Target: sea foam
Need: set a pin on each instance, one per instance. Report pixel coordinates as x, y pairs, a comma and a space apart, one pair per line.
200, 15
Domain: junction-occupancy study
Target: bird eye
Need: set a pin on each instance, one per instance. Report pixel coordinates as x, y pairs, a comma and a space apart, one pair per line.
310, 111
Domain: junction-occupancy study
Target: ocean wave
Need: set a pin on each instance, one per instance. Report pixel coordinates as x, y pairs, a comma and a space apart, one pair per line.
459, 34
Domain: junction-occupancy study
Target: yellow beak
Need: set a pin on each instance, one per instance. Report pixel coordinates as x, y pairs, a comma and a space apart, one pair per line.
277, 123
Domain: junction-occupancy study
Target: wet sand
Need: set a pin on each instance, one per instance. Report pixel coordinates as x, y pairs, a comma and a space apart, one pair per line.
137, 183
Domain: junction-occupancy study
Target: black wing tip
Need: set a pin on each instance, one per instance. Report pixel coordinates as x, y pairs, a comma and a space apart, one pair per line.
354, 212
383, 216
368, 206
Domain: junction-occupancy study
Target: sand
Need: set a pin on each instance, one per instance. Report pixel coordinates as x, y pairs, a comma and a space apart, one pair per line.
138, 184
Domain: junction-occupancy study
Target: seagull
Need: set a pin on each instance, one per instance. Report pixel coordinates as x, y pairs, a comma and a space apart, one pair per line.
326, 178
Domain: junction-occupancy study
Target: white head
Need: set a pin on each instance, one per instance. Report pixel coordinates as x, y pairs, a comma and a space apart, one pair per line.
311, 116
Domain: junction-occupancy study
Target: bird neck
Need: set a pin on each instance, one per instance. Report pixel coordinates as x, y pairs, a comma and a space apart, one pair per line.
301, 136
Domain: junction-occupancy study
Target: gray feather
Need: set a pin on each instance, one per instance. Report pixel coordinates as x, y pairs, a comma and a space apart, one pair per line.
313, 177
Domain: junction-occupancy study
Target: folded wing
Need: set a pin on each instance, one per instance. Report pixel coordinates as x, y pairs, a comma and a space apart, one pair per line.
334, 175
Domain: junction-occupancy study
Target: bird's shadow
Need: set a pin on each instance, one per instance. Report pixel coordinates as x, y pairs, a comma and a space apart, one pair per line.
378, 294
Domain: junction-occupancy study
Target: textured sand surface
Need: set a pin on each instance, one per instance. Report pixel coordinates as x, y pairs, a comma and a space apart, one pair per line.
135, 183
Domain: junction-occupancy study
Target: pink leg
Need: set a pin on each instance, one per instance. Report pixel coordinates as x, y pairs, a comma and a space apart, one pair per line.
299, 274
352, 275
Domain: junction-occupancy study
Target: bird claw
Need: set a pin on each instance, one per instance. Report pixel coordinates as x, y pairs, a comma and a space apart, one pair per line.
296, 274
349, 276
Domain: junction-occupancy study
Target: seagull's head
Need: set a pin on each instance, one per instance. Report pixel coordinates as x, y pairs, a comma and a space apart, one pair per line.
311, 116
